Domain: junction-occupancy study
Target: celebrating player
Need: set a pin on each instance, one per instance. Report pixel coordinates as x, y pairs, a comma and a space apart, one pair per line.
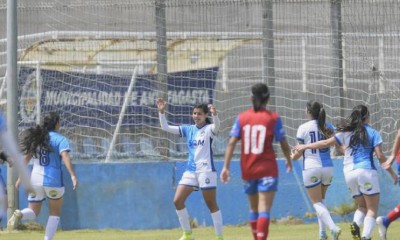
360, 141
317, 165
257, 128
200, 171
47, 147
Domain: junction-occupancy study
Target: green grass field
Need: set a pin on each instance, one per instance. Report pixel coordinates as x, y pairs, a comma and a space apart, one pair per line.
277, 232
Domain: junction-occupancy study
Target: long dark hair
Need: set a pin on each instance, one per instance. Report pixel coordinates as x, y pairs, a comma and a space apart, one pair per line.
260, 95
355, 123
38, 136
204, 108
317, 112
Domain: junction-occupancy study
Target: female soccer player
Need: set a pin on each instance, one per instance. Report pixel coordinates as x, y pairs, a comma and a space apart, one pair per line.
16, 158
317, 165
257, 128
200, 171
360, 141
47, 148
384, 221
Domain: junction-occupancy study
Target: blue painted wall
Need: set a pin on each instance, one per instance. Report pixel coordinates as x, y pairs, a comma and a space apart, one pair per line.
140, 196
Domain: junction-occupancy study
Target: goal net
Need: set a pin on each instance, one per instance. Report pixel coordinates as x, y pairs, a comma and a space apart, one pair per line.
96, 63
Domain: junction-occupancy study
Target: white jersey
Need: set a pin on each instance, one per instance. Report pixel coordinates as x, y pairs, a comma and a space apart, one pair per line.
361, 156
314, 158
199, 142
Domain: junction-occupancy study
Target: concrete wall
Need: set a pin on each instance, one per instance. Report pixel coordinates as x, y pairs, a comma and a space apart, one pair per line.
140, 195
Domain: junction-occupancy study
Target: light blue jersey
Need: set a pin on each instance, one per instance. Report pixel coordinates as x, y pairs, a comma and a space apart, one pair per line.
360, 157
47, 168
313, 158
199, 141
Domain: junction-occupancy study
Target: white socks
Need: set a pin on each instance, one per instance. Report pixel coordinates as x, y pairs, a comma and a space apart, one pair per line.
369, 224
28, 214
217, 221
183, 217
321, 224
324, 215
359, 217
51, 227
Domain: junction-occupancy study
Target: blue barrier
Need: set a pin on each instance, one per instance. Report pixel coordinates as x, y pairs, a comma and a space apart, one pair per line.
140, 196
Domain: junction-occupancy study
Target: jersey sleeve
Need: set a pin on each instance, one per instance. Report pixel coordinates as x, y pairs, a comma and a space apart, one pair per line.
64, 145
235, 131
300, 134
279, 131
330, 126
339, 137
183, 130
376, 139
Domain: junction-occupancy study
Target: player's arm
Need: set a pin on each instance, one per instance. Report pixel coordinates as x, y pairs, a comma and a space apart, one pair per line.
68, 164
382, 159
296, 155
286, 151
317, 145
161, 105
215, 118
225, 174
300, 138
395, 149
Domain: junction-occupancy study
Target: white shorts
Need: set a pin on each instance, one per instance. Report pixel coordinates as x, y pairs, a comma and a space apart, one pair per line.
362, 181
202, 180
41, 192
315, 176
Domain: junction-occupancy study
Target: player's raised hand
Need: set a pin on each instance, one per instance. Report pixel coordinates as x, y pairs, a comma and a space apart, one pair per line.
213, 109
161, 104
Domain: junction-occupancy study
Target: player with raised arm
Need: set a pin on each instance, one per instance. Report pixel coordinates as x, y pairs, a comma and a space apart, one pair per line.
360, 141
200, 172
47, 148
317, 165
383, 222
257, 128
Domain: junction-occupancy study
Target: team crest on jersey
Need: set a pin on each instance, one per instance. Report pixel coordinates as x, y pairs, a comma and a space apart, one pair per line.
29, 98
202, 133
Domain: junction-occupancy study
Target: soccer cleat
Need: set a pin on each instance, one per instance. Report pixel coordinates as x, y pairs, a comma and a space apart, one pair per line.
381, 228
14, 221
323, 236
364, 238
355, 231
219, 237
335, 233
187, 235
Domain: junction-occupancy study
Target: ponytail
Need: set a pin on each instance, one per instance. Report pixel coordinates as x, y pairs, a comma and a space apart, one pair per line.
260, 95
355, 123
318, 113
